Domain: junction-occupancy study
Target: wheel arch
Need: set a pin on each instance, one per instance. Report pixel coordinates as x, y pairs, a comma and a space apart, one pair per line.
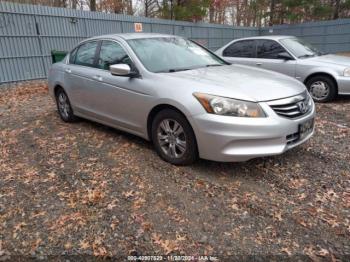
322, 74
56, 88
155, 110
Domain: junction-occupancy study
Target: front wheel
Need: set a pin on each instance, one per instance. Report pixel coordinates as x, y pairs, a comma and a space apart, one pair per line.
173, 138
322, 88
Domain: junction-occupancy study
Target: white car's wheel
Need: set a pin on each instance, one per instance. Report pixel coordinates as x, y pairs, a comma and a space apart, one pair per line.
322, 88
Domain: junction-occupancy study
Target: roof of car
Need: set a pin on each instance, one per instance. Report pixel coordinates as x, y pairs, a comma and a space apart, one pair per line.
274, 37
128, 36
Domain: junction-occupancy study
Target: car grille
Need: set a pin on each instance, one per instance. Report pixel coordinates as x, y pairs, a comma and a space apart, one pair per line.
292, 107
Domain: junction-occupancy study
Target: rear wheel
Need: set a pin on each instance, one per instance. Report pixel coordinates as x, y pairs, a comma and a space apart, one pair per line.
322, 88
173, 138
64, 107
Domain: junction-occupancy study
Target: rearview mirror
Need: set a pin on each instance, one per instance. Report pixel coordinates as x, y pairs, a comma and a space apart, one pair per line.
284, 56
122, 70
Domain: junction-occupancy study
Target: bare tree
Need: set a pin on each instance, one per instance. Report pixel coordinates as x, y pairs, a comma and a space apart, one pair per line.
336, 9
151, 8
92, 5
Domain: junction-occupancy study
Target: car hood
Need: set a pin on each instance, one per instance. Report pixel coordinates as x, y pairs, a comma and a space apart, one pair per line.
240, 82
332, 59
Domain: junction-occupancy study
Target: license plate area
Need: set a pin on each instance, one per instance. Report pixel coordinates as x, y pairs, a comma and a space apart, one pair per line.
306, 128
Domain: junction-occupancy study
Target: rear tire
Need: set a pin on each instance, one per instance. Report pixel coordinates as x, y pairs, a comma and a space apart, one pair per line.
173, 138
322, 88
64, 107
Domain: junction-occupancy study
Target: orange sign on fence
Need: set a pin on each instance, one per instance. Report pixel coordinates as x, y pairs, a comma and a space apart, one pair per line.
138, 27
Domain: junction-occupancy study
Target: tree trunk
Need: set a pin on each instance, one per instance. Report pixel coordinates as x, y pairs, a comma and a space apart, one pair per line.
272, 12
74, 4
211, 12
92, 5
336, 9
129, 9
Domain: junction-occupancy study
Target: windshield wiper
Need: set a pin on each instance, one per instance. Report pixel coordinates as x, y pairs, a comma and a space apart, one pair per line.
214, 65
173, 70
307, 55
178, 70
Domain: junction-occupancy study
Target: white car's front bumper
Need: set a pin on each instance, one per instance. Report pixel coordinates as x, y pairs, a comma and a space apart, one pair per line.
343, 85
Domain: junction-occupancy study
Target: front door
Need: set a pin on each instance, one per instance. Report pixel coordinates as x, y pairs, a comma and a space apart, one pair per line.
267, 58
120, 100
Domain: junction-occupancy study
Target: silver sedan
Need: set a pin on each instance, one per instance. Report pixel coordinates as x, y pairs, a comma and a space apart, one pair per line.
325, 75
186, 100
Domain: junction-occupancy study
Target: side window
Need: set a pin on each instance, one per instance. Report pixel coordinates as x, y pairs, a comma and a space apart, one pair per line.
269, 49
112, 53
72, 56
241, 49
86, 54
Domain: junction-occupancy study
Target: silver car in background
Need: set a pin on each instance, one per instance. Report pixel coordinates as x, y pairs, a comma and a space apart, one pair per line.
324, 75
183, 98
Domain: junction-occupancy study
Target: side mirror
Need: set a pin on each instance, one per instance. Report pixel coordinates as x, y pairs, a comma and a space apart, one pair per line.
122, 70
284, 56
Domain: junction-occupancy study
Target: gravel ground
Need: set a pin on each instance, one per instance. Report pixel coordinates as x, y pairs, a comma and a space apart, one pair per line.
85, 191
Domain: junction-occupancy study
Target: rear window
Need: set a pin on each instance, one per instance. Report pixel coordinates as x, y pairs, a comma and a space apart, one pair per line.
241, 49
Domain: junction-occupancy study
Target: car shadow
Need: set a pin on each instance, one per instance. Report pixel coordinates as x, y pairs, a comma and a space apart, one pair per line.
252, 169
342, 99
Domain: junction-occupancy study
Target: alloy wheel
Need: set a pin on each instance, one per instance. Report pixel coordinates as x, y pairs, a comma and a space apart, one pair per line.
171, 138
63, 105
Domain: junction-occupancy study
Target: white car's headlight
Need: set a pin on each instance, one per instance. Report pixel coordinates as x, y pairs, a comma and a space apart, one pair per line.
347, 72
229, 107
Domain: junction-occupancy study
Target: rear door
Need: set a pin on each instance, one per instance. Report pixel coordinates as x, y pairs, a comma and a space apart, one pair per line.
267, 57
79, 76
241, 52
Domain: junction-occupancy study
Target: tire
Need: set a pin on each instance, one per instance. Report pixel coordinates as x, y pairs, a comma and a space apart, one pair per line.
322, 88
173, 138
64, 107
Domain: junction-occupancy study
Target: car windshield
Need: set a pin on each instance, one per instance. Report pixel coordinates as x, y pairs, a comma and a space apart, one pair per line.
299, 48
172, 54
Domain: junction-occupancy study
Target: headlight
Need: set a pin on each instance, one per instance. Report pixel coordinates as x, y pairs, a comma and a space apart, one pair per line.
308, 99
347, 72
228, 106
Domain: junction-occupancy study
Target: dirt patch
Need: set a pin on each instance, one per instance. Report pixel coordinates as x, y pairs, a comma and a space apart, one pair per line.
85, 190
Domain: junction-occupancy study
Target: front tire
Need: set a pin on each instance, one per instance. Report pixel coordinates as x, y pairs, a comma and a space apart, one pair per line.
64, 107
322, 88
173, 138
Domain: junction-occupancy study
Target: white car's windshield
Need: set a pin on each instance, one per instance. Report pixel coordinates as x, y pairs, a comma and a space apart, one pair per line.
300, 49
171, 54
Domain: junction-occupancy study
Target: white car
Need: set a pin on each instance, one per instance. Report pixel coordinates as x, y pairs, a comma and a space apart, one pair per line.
325, 76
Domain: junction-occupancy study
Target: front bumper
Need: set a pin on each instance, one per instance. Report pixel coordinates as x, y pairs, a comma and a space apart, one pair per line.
343, 85
236, 139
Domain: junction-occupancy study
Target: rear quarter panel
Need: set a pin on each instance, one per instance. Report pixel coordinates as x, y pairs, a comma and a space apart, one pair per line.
55, 77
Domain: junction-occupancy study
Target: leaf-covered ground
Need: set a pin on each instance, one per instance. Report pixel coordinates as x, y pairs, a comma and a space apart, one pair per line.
85, 190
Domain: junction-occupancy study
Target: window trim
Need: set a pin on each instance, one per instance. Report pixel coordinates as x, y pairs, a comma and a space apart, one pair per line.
239, 41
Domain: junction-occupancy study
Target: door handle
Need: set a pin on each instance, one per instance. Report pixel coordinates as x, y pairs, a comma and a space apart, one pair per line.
68, 71
258, 64
97, 77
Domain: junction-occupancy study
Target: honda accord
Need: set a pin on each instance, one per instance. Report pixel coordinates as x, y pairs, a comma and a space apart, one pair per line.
185, 99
